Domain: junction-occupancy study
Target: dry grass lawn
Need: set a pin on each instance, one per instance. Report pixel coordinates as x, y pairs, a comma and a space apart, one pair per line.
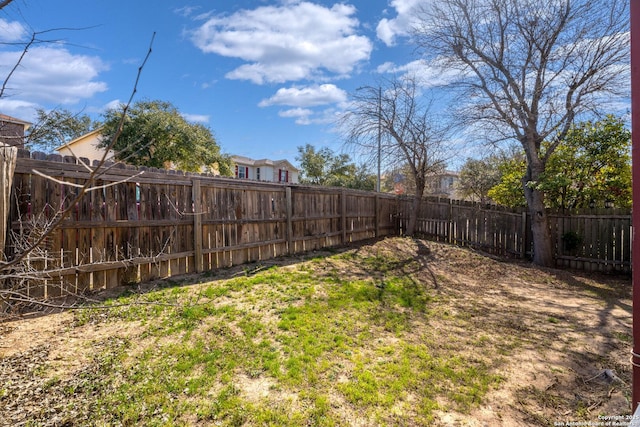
395, 332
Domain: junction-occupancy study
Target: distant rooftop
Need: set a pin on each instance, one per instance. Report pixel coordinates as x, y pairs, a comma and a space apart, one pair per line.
252, 162
5, 118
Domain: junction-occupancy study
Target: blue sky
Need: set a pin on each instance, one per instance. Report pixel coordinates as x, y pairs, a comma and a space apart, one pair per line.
265, 76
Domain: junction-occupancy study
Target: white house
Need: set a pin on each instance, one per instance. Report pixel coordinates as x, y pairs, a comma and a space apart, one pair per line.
265, 170
442, 184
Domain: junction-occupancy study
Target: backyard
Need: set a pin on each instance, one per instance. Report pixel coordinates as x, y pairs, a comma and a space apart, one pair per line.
394, 332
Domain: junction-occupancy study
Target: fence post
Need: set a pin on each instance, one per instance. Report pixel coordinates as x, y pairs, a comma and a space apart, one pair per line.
289, 220
343, 215
8, 157
197, 223
523, 253
377, 217
451, 227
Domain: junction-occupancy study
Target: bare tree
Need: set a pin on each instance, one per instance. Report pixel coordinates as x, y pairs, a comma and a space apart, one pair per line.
396, 116
31, 263
23, 267
530, 68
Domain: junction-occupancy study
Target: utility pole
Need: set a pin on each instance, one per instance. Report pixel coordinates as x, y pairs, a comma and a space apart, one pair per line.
379, 114
379, 135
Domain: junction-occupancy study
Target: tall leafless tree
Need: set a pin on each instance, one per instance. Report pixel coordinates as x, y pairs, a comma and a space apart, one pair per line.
398, 117
530, 68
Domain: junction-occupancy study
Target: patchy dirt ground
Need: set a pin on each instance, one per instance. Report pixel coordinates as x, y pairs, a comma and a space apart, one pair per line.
574, 364
571, 362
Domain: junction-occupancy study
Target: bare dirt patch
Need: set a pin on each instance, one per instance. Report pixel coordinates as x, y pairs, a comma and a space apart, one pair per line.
574, 331
560, 340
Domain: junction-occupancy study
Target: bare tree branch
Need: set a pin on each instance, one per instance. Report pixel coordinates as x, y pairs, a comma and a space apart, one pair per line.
529, 68
17, 64
81, 186
95, 174
4, 3
412, 136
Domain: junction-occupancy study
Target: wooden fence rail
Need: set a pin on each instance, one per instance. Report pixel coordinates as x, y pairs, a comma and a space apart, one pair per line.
141, 224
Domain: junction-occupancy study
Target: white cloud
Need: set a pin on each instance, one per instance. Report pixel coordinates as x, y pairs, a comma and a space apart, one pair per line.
112, 105
400, 26
196, 118
296, 112
186, 11
49, 74
426, 74
387, 67
11, 31
302, 115
291, 42
305, 116
310, 96
304, 97
385, 32
16, 108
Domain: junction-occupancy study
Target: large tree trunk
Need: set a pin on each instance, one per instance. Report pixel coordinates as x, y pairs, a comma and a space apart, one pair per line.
542, 245
413, 218
415, 205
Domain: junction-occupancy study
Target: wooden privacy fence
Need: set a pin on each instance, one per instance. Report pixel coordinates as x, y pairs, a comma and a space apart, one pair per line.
140, 224
590, 239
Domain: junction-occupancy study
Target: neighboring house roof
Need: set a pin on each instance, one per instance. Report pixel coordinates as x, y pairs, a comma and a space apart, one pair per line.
85, 146
80, 139
266, 162
5, 118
